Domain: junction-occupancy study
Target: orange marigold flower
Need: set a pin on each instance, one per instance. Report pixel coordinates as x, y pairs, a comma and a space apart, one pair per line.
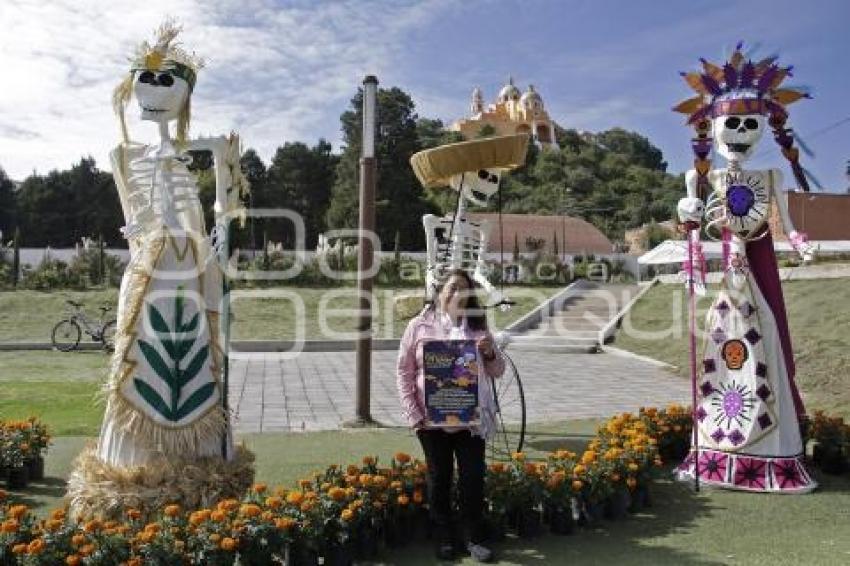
35, 546
87, 550
518, 456
633, 467
631, 482
336, 493
73, 560
228, 544
577, 485
3, 494
305, 484
218, 516
369, 460
250, 510
58, 514
402, 457
295, 498
134, 514
19, 548
17, 511
579, 469
417, 496
274, 502
403, 500
171, 510
215, 538
259, 488
135, 561
307, 506
92, 526
284, 523
78, 540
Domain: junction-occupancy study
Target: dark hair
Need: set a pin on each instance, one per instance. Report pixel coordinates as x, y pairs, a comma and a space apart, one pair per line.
476, 318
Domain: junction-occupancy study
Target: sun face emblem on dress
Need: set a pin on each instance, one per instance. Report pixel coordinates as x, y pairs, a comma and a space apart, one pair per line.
734, 354
740, 199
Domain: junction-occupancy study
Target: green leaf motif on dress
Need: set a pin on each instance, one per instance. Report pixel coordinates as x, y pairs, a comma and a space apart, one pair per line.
177, 339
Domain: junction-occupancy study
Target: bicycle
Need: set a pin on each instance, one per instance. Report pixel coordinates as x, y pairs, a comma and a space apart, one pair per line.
509, 399
67, 333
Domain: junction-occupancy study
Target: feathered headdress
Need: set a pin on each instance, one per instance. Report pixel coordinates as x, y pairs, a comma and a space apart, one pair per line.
739, 86
167, 55
164, 55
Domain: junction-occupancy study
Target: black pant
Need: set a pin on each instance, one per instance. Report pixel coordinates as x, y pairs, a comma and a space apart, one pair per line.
441, 448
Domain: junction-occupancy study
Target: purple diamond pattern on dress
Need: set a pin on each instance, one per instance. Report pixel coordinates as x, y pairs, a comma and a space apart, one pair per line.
735, 437
718, 335
723, 307
746, 309
763, 392
764, 421
701, 414
708, 365
761, 369
752, 336
718, 435
707, 388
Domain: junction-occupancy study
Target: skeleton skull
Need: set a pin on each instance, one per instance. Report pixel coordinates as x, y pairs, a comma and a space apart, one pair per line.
161, 94
478, 186
737, 135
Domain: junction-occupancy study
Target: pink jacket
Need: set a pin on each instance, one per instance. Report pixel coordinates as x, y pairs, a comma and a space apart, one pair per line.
410, 378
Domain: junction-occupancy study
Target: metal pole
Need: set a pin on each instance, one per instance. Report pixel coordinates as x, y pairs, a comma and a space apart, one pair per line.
365, 252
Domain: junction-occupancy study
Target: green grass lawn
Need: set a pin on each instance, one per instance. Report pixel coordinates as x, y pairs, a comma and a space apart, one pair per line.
27, 316
819, 319
713, 527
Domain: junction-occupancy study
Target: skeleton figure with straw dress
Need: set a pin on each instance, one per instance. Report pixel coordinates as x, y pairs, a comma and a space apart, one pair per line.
165, 435
748, 409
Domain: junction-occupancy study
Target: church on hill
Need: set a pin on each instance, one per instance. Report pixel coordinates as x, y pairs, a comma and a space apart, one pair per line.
512, 113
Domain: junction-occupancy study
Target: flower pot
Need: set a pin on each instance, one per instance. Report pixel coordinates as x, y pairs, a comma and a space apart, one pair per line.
617, 505
561, 520
592, 513
640, 499
832, 459
18, 478
398, 531
497, 526
529, 523
366, 542
298, 553
36, 468
339, 554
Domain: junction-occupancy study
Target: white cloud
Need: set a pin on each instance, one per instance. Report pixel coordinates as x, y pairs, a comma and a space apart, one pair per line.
273, 74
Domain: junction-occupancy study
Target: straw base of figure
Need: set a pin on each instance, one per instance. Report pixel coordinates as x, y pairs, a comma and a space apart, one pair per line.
97, 489
748, 472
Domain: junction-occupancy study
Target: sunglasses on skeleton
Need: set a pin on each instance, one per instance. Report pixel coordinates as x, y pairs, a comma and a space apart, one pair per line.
159, 78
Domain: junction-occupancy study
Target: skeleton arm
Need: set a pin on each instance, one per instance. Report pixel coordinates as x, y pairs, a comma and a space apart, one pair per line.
799, 241
130, 228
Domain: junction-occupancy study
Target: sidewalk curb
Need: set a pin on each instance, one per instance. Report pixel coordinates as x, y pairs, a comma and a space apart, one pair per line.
626, 354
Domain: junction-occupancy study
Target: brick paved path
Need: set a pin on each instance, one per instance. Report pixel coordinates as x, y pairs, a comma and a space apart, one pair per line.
315, 390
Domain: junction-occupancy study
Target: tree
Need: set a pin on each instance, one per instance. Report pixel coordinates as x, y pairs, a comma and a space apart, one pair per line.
300, 179
7, 204
400, 202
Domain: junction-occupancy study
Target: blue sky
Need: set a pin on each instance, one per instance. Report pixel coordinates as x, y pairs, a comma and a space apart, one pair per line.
283, 71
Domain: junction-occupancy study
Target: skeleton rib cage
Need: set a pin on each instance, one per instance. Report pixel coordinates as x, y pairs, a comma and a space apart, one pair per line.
160, 190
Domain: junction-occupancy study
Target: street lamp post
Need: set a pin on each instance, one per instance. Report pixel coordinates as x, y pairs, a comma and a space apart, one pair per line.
365, 252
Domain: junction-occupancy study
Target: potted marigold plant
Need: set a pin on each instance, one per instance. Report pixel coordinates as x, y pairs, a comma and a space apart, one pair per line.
38, 439
559, 497
525, 495
497, 487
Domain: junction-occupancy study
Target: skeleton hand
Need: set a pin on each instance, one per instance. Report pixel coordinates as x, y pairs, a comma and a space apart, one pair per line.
800, 242
131, 230
690, 212
217, 242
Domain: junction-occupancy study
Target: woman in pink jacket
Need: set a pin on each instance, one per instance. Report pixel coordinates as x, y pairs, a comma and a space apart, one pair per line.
456, 315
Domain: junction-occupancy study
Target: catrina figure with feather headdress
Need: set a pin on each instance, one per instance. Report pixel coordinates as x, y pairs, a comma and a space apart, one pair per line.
748, 408
166, 422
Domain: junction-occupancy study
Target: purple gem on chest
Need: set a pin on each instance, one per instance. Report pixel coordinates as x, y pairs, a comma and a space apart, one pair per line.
740, 199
